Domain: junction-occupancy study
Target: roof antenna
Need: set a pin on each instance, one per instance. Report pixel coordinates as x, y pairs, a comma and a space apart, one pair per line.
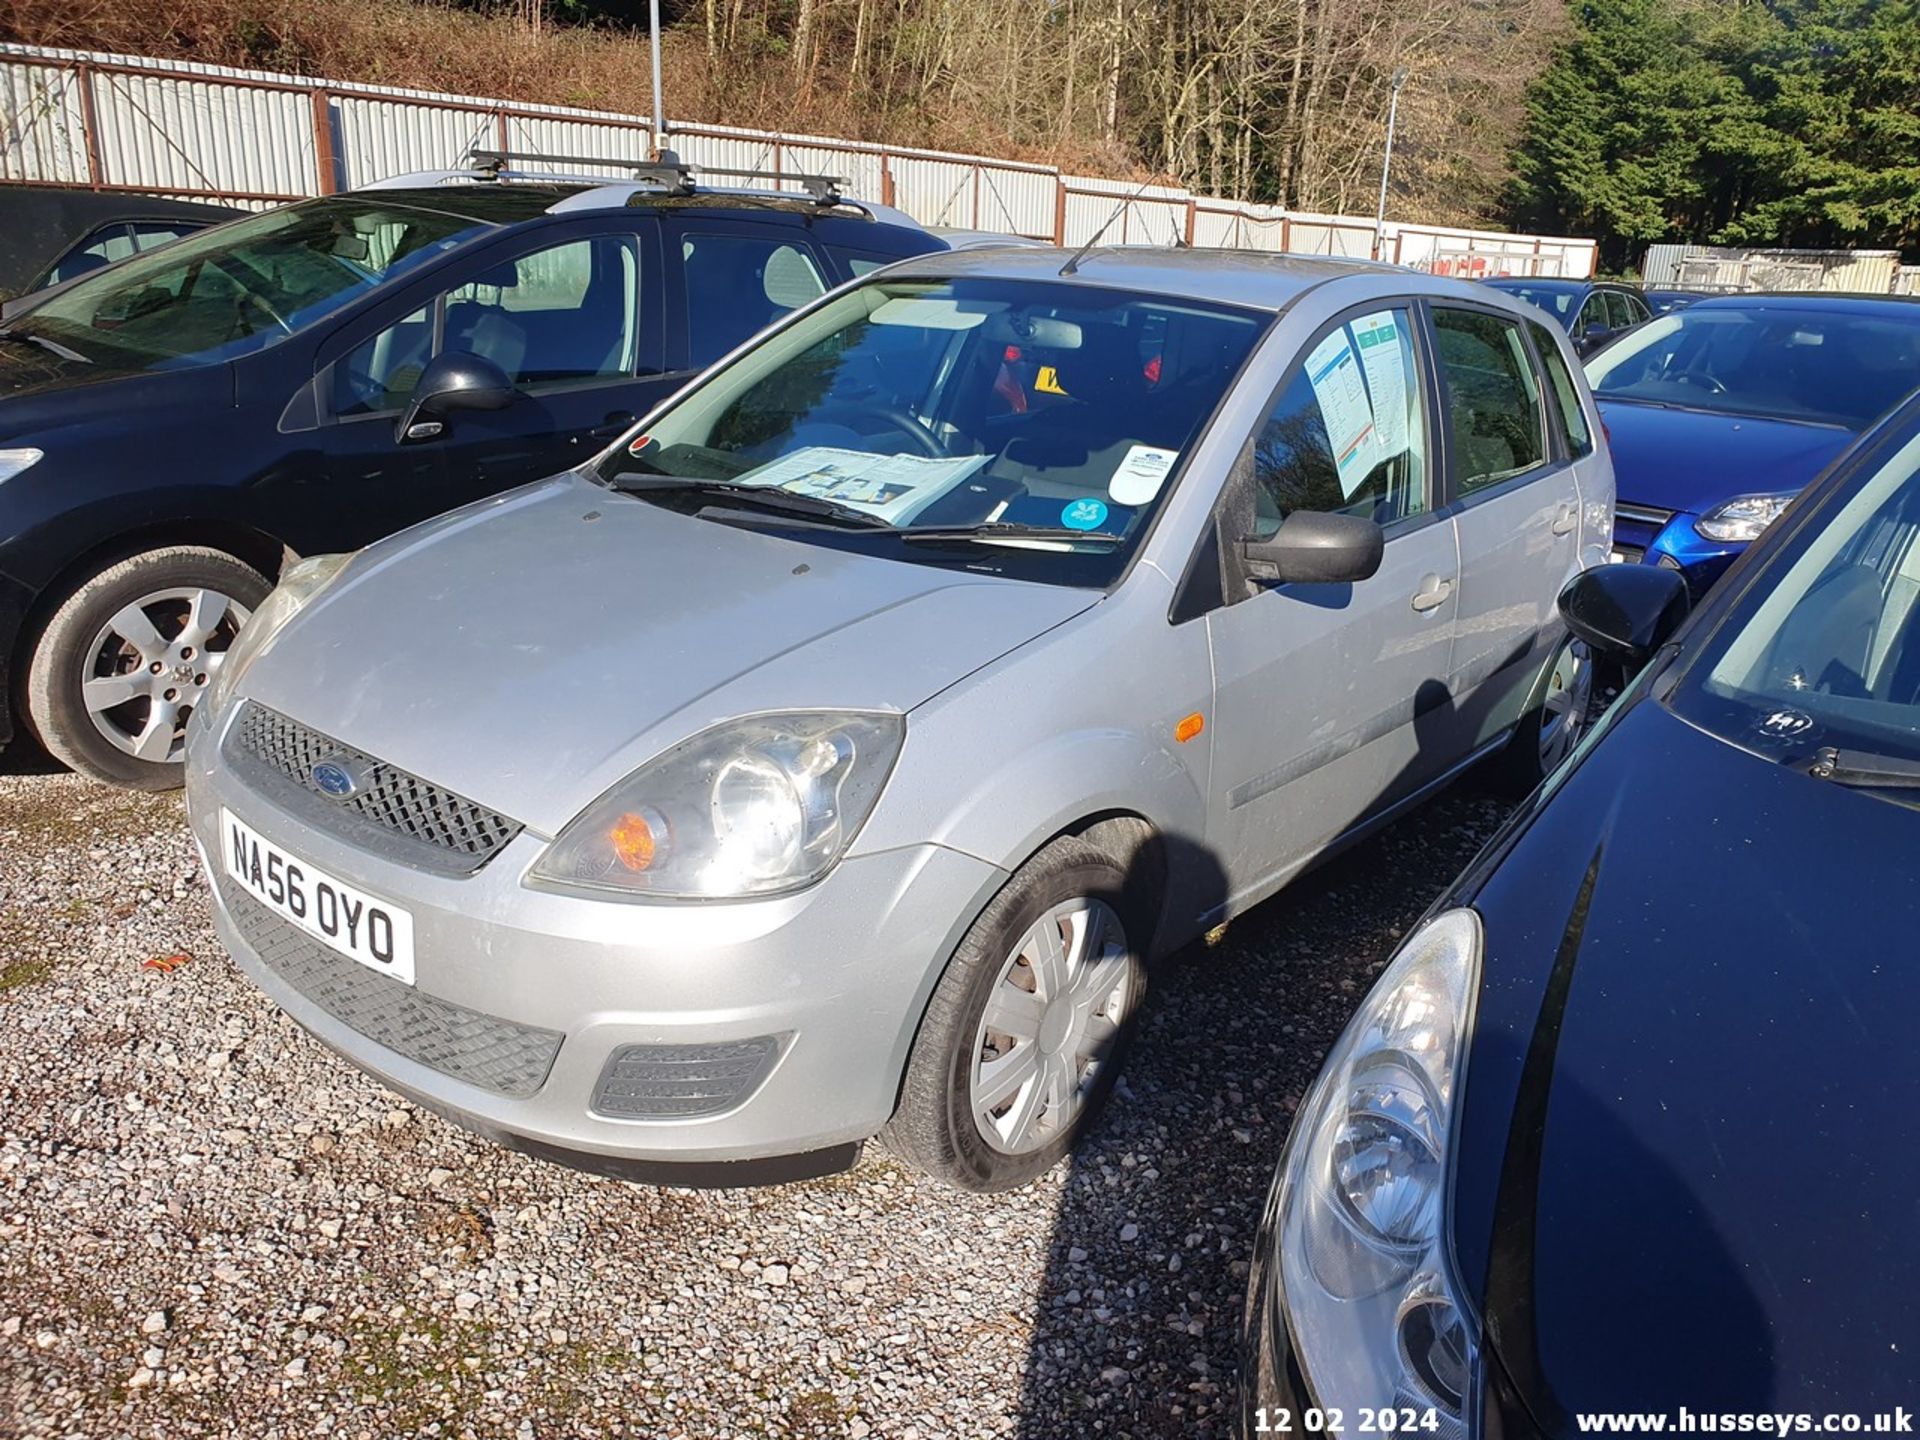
1072, 267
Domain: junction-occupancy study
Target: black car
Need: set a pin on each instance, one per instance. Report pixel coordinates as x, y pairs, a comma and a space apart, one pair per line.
1591, 311
311, 378
50, 234
1625, 1127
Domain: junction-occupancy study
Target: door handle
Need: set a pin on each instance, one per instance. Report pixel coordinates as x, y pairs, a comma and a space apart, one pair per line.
1563, 522
1432, 595
612, 425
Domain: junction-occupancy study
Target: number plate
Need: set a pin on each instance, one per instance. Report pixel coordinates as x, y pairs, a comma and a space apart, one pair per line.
374, 932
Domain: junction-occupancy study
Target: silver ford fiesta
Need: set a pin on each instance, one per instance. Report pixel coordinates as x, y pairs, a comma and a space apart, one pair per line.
829, 757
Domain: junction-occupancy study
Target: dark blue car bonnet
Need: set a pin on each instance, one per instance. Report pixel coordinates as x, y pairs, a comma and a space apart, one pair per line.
1691, 460
1686, 1169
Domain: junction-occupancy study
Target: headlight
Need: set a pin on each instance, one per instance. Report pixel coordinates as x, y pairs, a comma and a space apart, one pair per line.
755, 806
12, 462
1742, 518
299, 583
1363, 1261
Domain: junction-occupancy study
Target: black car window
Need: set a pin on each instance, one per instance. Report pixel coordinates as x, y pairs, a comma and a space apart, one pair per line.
1347, 433
559, 315
98, 249
737, 285
1493, 397
1569, 419
1620, 314
240, 287
1593, 314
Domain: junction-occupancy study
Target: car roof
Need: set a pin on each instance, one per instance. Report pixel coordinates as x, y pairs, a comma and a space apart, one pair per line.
1255, 279
1539, 282
509, 202
1906, 307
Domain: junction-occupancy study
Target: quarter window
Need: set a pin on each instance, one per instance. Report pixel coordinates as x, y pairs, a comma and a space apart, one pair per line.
1493, 397
1570, 419
1348, 432
737, 285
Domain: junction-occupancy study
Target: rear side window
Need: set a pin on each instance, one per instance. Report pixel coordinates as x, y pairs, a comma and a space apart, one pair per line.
1347, 433
1569, 419
737, 285
1493, 397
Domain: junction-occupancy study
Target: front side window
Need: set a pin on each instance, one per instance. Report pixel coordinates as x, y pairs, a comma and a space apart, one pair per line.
242, 286
1348, 432
1593, 314
737, 285
1836, 366
561, 315
1493, 397
1566, 395
1827, 658
1028, 428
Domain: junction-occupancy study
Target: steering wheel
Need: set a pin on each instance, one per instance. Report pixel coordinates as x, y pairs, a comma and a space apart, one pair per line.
896, 418
1706, 382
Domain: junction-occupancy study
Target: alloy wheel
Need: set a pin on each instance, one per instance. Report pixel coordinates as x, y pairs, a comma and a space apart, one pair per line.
151, 663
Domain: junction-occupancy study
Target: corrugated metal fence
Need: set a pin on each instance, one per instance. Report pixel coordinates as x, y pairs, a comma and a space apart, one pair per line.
1714, 268
121, 122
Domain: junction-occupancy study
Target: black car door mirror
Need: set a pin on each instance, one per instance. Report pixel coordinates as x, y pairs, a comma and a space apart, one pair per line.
453, 380
1625, 612
1592, 338
1316, 547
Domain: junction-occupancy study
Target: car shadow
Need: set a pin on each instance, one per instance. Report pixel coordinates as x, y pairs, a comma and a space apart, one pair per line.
1136, 1324
20, 756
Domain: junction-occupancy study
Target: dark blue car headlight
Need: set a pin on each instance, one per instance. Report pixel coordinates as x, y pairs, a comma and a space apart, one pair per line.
1360, 1236
1743, 518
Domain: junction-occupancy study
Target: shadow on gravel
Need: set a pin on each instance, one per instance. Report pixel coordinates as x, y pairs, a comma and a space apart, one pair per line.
20, 756
1137, 1326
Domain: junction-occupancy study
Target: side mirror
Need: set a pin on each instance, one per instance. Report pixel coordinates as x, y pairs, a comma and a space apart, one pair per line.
1625, 612
452, 381
1592, 338
1317, 548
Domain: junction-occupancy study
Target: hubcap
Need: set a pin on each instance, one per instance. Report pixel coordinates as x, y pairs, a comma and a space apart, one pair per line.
1563, 711
149, 665
1050, 1022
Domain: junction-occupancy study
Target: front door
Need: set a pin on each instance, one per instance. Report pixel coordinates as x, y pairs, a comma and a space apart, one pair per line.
1326, 697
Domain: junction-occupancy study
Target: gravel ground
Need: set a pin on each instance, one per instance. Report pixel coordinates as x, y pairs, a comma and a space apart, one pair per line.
211, 1225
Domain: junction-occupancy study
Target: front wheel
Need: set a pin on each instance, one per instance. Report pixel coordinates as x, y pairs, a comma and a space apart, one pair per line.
1023, 1038
124, 661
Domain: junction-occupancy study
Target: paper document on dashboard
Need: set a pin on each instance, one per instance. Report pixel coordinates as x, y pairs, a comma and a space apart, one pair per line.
893, 487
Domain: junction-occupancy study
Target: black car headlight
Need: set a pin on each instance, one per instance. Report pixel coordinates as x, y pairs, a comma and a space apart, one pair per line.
1359, 1237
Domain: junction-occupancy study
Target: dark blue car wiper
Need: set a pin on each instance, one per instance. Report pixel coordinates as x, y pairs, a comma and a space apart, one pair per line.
1859, 767
22, 337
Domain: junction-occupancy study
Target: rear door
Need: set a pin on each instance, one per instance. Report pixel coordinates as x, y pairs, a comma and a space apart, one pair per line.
730, 278
1330, 700
1515, 500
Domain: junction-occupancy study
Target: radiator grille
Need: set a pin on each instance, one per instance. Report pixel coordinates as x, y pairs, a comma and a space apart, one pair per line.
478, 1049
433, 824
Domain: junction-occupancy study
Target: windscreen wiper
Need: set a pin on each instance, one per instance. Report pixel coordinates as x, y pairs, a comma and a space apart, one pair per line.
1863, 768
994, 530
22, 337
760, 497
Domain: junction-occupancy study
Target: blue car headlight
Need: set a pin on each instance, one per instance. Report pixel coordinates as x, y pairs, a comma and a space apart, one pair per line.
1743, 518
1360, 1236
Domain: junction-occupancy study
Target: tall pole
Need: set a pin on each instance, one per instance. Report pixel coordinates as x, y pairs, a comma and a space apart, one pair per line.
659, 109
1386, 165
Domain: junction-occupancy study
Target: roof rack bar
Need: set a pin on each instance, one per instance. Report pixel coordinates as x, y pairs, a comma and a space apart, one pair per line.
668, 170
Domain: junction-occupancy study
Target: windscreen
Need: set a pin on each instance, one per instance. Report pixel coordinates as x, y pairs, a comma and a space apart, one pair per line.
242, 286
1833, 367
1044, 417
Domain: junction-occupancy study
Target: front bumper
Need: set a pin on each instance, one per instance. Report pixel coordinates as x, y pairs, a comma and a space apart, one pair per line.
524, 997
1675, 545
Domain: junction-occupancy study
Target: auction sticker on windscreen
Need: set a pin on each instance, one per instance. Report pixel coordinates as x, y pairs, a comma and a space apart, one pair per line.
1335, 375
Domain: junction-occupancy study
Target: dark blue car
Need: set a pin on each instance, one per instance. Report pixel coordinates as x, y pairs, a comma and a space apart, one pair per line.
1627, 1125
1720, 413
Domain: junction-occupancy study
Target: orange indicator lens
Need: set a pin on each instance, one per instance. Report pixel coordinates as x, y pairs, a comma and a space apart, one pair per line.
633, 841
1189, 727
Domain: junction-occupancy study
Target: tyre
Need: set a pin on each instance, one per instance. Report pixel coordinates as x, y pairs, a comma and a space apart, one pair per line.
124, 660
1024, 1036
1548, 732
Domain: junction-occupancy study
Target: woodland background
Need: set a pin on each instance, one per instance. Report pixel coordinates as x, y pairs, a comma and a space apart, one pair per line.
1775, 122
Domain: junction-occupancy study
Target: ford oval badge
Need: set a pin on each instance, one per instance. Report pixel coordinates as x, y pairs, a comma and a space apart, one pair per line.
333, 779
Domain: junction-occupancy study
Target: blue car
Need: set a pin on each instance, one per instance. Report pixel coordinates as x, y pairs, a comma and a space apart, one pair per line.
1592, 312
1720, 413
1623, 1132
